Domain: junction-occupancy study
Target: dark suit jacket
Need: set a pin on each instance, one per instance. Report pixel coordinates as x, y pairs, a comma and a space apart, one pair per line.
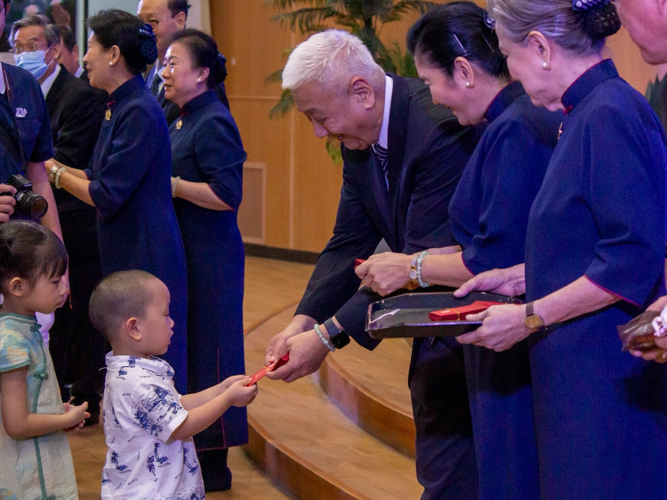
102, 95
171, 109
428, 151
76, 115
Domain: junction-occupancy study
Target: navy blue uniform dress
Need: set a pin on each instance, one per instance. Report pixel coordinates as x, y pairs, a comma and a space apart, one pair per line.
208, 148
600, 414
489, 214
27, 112
130, 176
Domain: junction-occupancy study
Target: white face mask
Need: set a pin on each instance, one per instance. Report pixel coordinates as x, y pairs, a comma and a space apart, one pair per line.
33, 62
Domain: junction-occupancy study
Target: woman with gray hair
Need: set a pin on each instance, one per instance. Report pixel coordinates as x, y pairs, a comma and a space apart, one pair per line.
594, 258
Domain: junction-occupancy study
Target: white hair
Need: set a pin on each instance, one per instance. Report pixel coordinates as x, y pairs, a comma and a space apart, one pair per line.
332, 58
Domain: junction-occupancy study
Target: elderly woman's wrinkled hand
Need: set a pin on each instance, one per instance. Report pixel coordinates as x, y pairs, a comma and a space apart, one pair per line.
502, 327
510, 281
386, 272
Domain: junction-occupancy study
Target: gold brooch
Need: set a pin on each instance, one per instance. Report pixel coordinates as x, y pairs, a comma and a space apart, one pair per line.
179, 124
107, 114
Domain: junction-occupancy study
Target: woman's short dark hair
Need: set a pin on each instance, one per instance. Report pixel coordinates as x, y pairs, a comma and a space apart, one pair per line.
204, 53
28, 251
135, 39
457, 29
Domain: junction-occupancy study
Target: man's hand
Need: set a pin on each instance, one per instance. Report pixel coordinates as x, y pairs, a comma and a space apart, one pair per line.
510, 281
277, 347
306, 354
7, 202
386, 272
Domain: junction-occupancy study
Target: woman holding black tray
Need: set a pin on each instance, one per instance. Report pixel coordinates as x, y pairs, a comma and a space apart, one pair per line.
457, 55
594, 259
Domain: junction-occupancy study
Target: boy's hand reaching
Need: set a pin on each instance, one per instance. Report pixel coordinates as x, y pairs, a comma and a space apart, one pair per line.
76, 416
227, 383
239, 394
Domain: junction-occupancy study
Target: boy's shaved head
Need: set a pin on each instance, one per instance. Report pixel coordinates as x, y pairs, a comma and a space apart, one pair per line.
119, 297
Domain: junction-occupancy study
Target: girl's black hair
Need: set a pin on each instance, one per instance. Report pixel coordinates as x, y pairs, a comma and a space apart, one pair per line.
204, 52
135, 39
458, 29
28, 251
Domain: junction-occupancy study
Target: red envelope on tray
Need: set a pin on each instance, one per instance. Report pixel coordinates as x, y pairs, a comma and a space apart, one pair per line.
276, 364
460, 313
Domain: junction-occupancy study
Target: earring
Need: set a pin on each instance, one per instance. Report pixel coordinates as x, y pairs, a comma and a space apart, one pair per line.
468, 85
110, 63
545, 65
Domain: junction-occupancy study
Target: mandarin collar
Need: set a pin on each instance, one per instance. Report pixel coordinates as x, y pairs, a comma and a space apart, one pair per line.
153, 364
199, 102
134, 83
503, 99
582, 86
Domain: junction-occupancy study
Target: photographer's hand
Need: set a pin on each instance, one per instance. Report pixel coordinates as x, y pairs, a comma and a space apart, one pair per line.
7, 203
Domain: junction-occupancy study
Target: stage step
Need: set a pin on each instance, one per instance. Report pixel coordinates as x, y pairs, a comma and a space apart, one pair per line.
307, 444
371, 388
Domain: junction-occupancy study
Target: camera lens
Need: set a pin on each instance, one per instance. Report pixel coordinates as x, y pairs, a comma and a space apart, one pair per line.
31, 205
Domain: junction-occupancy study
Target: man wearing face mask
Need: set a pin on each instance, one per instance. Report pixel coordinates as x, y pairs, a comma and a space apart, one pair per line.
76, 113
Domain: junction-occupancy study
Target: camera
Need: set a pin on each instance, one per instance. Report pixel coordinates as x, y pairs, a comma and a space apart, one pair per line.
28, 203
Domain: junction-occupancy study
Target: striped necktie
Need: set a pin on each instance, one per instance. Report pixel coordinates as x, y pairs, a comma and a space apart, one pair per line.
155, 84
383, 156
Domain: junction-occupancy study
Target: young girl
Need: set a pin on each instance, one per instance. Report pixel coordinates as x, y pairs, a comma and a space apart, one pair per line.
36, 461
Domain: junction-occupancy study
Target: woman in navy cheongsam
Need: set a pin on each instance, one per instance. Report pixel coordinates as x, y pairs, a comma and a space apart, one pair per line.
594, 259
207, 165
128, 181
456, 53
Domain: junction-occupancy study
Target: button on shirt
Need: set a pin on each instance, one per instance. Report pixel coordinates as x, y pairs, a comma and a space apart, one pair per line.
141, 411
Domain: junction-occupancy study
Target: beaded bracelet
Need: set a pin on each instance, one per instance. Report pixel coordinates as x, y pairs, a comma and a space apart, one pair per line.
327, 344
56, 180
174, 182
420, 261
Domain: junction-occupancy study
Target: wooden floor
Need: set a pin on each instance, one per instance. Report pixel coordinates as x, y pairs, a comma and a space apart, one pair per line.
270, 286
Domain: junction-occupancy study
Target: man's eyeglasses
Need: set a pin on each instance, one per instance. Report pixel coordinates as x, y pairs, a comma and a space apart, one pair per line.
154, 22
30, 48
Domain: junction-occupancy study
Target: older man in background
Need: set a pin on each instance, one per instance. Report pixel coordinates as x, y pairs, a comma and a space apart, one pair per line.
75, 111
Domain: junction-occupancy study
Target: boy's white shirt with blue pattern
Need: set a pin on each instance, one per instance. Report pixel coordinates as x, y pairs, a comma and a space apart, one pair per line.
141, 410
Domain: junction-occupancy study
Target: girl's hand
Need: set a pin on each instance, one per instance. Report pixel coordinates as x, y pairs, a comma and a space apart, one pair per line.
239, 394
386, 272
502, 327
77, 416
227, 383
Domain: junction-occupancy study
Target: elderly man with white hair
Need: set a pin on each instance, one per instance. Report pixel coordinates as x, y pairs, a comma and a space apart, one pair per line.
402, 158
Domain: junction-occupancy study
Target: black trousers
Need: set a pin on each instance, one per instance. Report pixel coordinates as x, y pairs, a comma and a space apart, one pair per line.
446, 463
77, 349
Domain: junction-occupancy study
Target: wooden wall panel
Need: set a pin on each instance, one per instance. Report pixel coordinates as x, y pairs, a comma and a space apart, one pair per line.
303, 185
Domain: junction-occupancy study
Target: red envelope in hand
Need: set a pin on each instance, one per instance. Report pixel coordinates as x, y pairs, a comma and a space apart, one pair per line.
358, 262
460, 313
276, 364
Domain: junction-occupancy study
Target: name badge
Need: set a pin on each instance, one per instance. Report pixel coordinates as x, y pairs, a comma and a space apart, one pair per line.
21, 112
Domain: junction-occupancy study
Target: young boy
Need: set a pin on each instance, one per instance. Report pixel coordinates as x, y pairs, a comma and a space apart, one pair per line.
148, 426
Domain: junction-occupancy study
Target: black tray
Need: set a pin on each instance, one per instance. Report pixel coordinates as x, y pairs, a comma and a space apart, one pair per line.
407, 315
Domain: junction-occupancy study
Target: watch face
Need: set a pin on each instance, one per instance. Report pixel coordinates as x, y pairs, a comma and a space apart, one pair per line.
413, 274
341, 339
534, 321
